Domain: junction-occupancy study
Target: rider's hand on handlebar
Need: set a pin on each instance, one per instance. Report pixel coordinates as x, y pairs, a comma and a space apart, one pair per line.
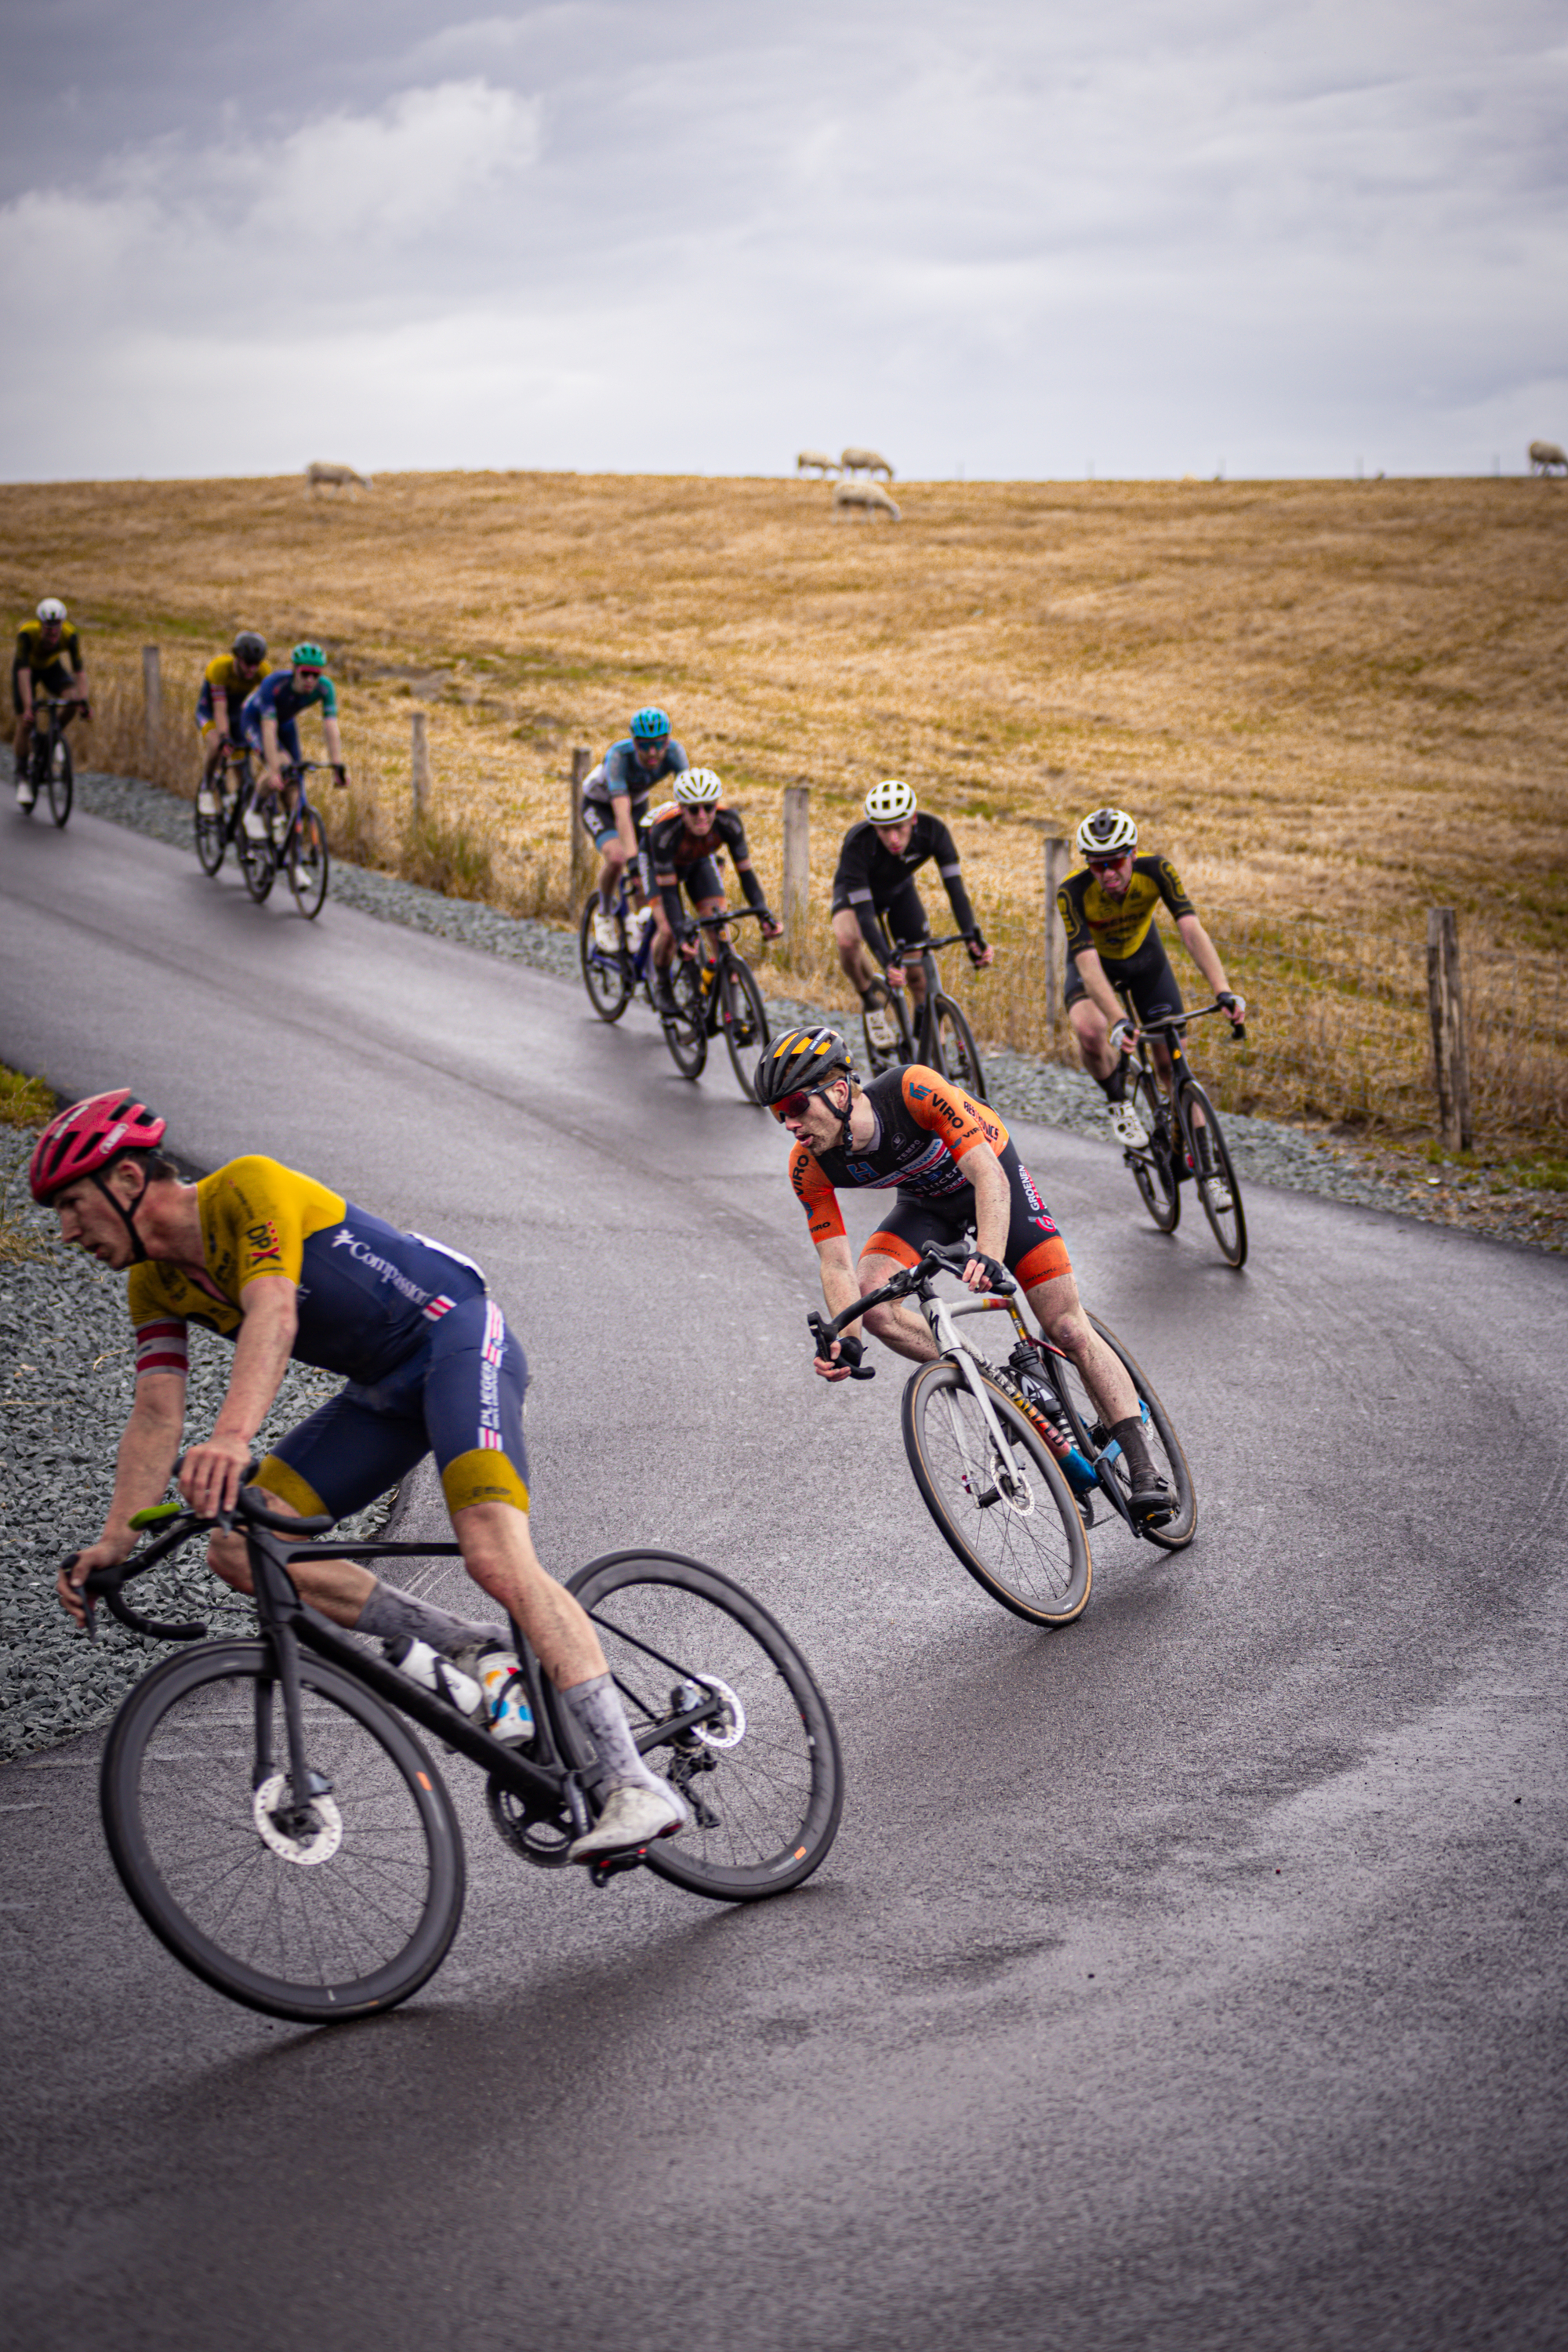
895, 975
979, 957
983, 1273
842, 1359
1123, 1037
769, 928
211, 1474
108, 1552
339, 776
1234, 1006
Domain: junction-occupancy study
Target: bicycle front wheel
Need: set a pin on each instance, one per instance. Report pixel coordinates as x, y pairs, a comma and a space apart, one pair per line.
256, 862
1010, 1517
309, 865
960, 1053
1159, 1435
605, 975
335, 1909
62, 780
1152, 1170
1216, 1186
763, 1777
745, 1021
212, 835
686, 1029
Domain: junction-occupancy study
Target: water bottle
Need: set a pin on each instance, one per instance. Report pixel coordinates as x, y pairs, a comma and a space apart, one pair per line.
499, 1669
425, 1667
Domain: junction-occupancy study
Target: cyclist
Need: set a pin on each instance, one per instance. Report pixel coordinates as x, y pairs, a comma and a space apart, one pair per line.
269, 723
615, 805
682, 842
954, 1173
228, 679
877, 862
1108, 912
286, 1268
47, 661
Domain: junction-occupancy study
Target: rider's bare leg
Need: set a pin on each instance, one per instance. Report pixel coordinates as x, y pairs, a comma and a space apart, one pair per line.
1061, 1317
895, 1323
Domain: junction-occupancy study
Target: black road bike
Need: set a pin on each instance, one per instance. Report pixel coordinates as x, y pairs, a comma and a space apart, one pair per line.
284, 1832
1177, 1147
1011, 1460
613, 976
731, 1000
51, 771
940, 1036
292, 843
221, 806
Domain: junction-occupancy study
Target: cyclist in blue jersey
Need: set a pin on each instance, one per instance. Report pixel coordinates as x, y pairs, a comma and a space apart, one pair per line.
269, 719
615, 802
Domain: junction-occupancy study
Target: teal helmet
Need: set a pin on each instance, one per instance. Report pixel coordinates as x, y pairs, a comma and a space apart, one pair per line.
652, 725
308, 656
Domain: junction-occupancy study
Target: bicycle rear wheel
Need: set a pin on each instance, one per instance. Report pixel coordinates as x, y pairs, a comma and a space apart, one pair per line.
960, 1053
686, 1029
211, 832
745, 1021
309, 864
257, 861
347, 1907
1218, 1190
886, 1002
606, 978
1159, 1431
764, 1779
1153, 1172
1013, 1524
62, 780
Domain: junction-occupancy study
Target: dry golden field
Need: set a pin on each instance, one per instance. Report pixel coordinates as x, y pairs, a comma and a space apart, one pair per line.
1336, 704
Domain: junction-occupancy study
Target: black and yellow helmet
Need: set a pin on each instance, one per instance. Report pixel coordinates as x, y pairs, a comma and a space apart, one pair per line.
801, 1058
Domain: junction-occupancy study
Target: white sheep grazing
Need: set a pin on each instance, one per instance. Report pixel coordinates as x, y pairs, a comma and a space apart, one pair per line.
869, 497
319, 476
815, 461
1546, 458
864, 461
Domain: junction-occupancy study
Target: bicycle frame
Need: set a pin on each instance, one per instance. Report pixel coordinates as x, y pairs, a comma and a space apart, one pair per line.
924, 952
725, 952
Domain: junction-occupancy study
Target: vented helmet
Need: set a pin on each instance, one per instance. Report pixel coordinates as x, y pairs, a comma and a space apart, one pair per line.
801, 1060
84, 1140
652, 725
890, 802
51, 609
698, 787
308, 656
1107, 833
249, 647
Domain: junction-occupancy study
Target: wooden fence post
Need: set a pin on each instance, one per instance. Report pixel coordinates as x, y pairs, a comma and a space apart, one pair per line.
797, 863
1057, 861
151, 700
576, 832
420, 764
1446, 1004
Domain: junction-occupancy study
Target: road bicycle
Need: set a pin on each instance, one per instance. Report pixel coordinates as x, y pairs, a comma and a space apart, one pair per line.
290, 1840
1177, 1147
731, 999
221, 806
293, 842
1011, 1460
50, 768
940, 1036
613, 976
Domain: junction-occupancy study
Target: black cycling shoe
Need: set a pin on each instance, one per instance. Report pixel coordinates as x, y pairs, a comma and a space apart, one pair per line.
1150, 1500
664, 1004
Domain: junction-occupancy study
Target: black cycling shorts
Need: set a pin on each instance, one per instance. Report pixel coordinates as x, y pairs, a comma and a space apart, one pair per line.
903, 915
599, 816
702, 879
52, 684
1146, 976
1034, 1250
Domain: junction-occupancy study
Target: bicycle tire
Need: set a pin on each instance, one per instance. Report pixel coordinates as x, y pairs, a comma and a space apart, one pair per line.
1047, 1584
1228, 1226
607, 979
62, 781
686, 1029
310, 865
902, 1049
257, 863
183, 1812
1163, 1443
774, 1792
745, 1019
1152, 1171
212, 834
955, 1043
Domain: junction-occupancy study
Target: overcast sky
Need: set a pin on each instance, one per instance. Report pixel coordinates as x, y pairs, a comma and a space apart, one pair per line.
1147, 236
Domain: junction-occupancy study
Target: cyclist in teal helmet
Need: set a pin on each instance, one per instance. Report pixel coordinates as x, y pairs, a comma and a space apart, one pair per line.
269, 723
615, 802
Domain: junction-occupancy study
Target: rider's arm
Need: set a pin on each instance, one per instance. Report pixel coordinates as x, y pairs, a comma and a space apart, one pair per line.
993, 1200
210, 1478
621, 809
269, 748
332, 739
840, 1284
667, 882
1091, 971
22, 678
945, 852
1204, 953
755, 894
147, 1446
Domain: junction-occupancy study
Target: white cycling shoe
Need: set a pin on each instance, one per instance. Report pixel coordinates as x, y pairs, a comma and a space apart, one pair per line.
607, 935
633, 1817
1129, 1127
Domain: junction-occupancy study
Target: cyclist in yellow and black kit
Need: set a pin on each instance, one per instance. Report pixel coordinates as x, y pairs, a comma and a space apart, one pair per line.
1108, 911
47, 661
225, 682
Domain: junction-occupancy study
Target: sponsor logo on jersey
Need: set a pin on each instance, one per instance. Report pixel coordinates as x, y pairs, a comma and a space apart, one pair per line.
264, 1246
363, 1254
439, 1306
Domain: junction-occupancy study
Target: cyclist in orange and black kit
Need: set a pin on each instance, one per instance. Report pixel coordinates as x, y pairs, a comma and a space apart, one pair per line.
682, 844
954, 1173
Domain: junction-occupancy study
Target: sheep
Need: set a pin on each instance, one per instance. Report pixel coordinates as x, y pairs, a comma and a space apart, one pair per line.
1546, 458
864, 461
320, 476
869, 497
815, 461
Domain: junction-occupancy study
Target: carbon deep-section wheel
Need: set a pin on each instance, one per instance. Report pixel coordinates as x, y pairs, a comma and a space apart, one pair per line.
745, 1022
309, 864
332, 1909
1152, 1170
1213, 1175
606, 977
959, 1051
62, 780
1159, 1435
762, 1773
686, 1029
211, 830
257, 861
1009, 1515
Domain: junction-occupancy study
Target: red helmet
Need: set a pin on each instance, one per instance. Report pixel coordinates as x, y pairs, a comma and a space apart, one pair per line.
83, 1140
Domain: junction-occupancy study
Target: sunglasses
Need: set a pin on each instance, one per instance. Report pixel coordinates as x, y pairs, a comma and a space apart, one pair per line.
1108, 865
793, 1105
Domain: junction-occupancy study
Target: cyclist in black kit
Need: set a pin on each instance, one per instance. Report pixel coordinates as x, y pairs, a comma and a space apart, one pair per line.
682, 844
875, 879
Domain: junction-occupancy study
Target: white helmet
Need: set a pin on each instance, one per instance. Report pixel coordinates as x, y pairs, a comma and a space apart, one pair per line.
890, 802
1107, 833
698, 787
51, 609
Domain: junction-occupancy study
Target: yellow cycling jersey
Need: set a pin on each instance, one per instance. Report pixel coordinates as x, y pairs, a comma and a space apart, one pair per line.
257, 1216
34, 655
1117, 928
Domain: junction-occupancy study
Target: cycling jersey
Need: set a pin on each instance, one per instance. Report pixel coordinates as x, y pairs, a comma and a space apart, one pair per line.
278, 697
33, 655
870, 876
620, 772
223, 677
674, 854
371, 1301
926, 1129
1117, 928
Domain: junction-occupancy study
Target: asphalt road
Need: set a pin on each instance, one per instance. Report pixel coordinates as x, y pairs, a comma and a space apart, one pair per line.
1194, 1978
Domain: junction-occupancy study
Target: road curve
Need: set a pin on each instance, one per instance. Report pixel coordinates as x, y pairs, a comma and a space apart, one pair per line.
1190, 1979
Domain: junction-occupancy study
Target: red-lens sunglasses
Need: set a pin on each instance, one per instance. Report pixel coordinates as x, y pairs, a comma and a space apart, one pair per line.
793, 1105
1106, 865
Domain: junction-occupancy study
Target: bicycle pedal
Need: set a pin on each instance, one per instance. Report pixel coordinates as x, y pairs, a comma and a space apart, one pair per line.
601, 1872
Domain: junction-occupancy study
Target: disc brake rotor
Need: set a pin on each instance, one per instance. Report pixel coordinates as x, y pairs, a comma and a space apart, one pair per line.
323, 1826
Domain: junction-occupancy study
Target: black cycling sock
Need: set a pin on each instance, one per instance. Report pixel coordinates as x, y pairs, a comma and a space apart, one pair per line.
1129, 1435
390, 1612
1115, 1085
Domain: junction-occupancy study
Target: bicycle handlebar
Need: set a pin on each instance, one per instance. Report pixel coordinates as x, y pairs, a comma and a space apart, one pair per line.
904, 949
1180, 1020
104, 1584
735, 915
938, 1257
